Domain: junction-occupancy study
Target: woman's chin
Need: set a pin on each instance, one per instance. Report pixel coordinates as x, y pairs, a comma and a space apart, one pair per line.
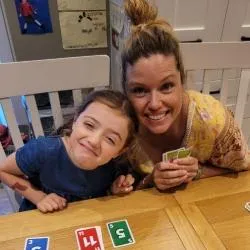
160, 127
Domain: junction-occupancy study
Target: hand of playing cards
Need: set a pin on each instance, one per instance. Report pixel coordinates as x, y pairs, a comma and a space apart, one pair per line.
176, 154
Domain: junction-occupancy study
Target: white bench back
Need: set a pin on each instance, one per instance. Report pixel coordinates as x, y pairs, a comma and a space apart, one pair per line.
220, 56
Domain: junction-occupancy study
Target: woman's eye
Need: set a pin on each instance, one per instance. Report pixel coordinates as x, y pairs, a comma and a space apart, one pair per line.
138, 91
167, 86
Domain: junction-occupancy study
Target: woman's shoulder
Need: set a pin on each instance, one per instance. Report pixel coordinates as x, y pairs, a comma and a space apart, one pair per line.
208, 110
207, 123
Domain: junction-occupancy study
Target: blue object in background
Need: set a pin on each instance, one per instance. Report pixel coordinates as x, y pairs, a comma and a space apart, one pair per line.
2, 116
34, 19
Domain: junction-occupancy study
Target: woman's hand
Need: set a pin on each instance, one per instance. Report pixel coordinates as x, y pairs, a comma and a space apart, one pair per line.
51, 202
171, 174
190, 164
123, 184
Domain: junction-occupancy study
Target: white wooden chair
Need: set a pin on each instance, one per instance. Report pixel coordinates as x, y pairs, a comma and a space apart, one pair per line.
50, 76
222, 56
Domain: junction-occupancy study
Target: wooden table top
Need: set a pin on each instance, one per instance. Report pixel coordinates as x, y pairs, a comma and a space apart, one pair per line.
207, 214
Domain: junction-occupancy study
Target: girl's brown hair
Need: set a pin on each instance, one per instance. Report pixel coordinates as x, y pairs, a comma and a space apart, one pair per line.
149, 36
113, 99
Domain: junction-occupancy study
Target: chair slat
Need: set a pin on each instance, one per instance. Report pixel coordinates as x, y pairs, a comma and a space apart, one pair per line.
12, 123
206, 84
56, 109
242, 96
2, 153
35, 118
224, 88
12, 198
77, 97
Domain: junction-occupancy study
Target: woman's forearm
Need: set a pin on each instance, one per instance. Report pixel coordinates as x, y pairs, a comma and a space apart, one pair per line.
210, 171
22, 186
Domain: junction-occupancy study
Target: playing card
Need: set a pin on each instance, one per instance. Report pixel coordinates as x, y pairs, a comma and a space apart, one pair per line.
120, 233
184, 153
39, 243
89, 238
171, 155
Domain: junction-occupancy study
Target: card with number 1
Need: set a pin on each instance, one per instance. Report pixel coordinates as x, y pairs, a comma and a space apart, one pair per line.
89, 238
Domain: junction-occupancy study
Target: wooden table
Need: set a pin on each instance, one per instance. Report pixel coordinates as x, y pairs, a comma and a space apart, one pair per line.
208, 214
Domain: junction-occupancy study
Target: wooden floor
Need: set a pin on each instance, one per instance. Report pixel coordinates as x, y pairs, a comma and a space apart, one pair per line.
5, 207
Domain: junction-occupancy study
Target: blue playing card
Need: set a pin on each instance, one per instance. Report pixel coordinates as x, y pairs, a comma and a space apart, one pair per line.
39, 243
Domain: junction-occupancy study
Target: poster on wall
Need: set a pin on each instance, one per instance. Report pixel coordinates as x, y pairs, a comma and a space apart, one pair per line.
33, 16
83, 23
81, 4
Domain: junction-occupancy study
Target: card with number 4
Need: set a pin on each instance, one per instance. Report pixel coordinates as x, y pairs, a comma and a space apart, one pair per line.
89, 238
120, 233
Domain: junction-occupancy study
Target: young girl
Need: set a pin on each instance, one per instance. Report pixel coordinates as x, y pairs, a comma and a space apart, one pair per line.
51, 171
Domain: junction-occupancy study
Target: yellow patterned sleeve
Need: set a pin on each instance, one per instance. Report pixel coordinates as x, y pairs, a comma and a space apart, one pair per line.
215, 137
230, 149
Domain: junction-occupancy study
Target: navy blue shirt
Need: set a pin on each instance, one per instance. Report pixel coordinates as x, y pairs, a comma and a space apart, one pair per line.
48, 167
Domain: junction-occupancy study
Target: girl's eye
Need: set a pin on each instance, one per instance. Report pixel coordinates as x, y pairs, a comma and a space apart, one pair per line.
111, 140
138, 91
166, 87
89, 125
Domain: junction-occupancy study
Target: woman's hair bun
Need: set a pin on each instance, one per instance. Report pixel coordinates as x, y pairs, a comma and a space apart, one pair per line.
140, 11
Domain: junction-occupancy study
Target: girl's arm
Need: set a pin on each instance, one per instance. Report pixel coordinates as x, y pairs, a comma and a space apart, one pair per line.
11, 175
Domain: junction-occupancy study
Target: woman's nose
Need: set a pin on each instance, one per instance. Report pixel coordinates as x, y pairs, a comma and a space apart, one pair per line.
154, 101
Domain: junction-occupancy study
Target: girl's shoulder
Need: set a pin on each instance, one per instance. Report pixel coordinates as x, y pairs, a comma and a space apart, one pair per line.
43, 144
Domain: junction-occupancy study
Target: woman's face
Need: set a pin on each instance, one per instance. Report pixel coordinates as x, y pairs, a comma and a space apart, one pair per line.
154, 88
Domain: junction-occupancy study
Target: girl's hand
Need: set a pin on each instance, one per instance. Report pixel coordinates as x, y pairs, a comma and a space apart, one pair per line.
51, 202
123, 184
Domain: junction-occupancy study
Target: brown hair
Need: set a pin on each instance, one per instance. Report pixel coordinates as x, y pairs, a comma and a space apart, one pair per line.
113, 99
149, 36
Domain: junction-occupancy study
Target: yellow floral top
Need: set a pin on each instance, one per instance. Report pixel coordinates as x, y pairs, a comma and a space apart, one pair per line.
212, 135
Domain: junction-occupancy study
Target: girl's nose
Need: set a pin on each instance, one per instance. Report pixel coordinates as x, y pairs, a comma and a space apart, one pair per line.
95, 140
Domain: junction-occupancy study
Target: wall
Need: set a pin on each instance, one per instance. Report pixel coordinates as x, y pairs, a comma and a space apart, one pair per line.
5, 50
30, 47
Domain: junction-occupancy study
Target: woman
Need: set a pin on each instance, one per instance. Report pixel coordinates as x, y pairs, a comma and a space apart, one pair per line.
170, 117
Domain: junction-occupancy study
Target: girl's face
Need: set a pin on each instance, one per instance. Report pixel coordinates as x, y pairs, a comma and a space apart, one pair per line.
154, 87
98, 135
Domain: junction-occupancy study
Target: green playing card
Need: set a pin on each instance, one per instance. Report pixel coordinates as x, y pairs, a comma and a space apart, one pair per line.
120, 233
171, 155
184, 153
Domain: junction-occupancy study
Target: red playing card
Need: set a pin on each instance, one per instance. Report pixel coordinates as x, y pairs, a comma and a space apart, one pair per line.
87, 239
